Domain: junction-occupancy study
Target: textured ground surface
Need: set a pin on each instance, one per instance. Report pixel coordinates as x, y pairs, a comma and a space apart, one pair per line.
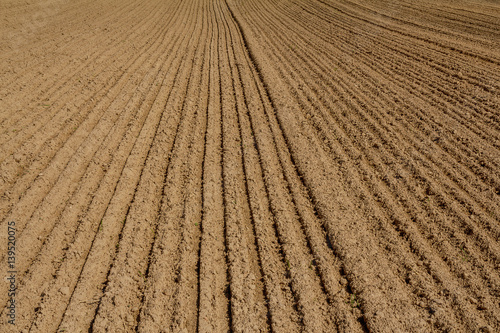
251, 165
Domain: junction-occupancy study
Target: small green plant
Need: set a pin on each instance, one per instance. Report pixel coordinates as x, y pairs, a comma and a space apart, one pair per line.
288, 263
100, 226
353, 301
465, 255
142, 276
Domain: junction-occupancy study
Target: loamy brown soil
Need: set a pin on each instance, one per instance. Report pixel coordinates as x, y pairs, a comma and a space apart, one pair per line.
251, 165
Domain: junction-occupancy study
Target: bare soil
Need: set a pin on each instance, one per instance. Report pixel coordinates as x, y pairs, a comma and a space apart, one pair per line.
251, 166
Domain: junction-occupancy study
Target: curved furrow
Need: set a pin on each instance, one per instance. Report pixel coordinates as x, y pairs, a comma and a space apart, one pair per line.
313, 233
330, 105
446, 14
333, 15
484, 55
408, 17
340, 217
250, 166
293, 242
248, 308
384, 140
369, 52
213, 304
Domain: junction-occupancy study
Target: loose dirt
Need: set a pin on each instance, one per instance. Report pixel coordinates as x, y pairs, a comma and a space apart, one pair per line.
251, 166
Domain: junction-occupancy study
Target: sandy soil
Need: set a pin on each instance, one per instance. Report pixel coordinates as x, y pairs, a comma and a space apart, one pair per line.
251, 165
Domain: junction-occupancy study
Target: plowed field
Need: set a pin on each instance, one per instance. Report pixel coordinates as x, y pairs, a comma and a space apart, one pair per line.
250, 165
